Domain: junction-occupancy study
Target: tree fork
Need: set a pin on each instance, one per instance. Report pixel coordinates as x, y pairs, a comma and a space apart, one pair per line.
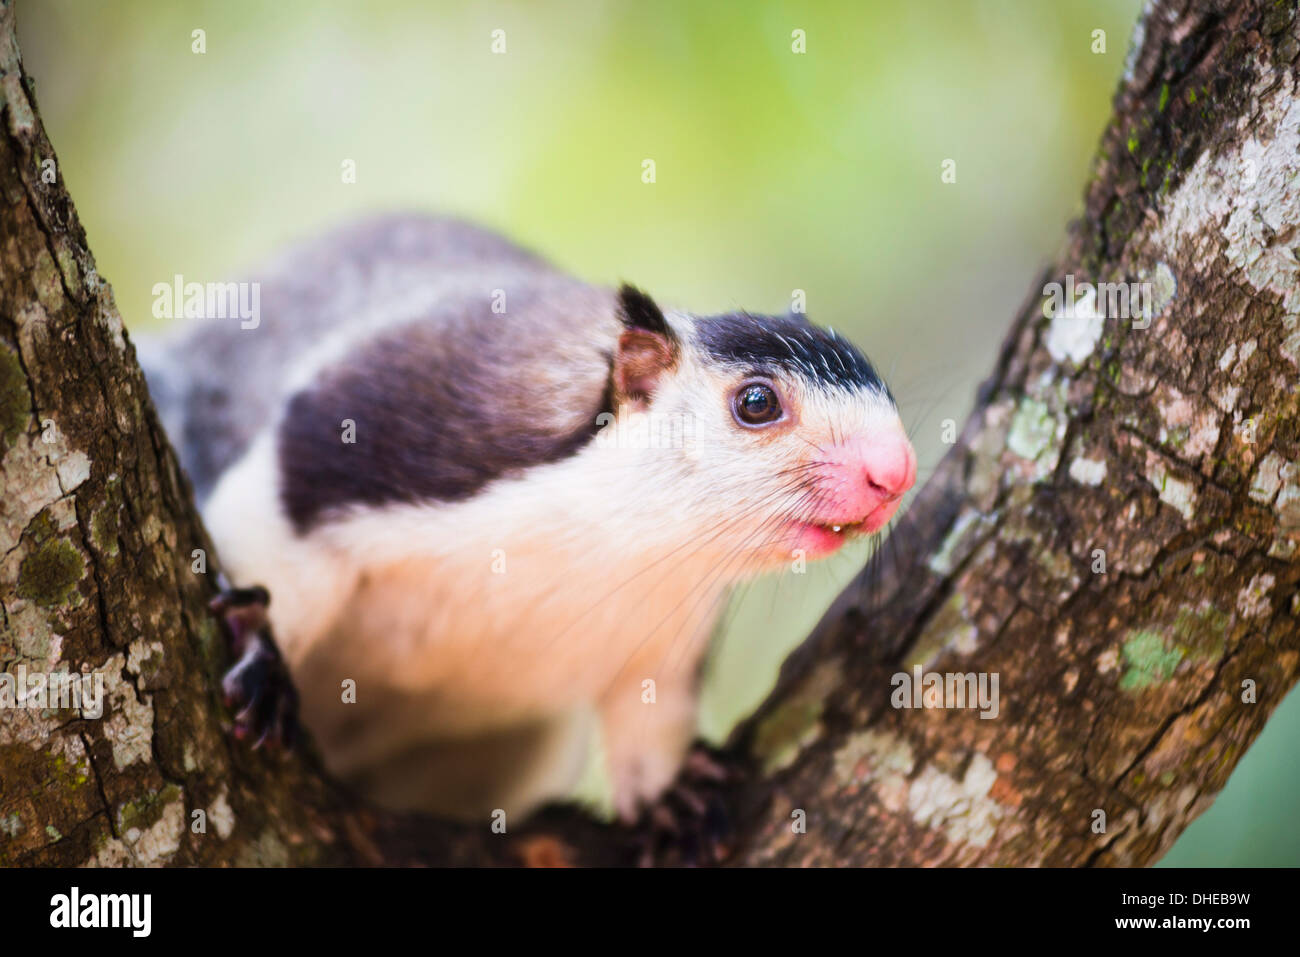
1115, 535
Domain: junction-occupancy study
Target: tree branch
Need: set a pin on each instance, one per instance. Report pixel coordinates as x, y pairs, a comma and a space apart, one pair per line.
1114, 535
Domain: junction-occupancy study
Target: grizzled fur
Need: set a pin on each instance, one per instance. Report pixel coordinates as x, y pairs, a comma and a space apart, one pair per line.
218, 384
491, 577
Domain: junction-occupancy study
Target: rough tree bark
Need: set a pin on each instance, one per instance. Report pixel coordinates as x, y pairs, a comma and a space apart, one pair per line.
1115, 534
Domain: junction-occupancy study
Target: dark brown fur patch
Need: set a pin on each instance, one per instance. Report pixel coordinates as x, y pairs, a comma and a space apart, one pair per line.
443, 408
218, 384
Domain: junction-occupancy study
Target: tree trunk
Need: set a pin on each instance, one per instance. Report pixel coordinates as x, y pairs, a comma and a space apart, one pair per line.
1114, 535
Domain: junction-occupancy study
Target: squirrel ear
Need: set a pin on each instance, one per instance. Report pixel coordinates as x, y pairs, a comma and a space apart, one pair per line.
642, 359
647, 348
638, 311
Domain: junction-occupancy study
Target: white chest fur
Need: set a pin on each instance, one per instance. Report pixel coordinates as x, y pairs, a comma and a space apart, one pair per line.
531, 600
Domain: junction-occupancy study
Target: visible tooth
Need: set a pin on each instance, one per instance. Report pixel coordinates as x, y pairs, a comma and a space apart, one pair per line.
835, 528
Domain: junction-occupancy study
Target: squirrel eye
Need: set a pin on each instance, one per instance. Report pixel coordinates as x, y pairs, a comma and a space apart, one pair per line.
756, 403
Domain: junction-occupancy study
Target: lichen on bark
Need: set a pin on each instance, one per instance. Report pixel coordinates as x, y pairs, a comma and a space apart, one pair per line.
1108, 526
96, 529
1115, 535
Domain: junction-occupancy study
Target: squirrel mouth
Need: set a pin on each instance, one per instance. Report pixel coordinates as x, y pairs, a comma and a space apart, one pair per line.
839, 528
868, 525
820, 537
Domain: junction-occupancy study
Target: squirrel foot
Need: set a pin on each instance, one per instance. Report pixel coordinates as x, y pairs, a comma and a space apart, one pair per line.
257, 687
688, 825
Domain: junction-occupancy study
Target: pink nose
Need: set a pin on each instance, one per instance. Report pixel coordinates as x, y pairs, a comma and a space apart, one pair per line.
889, 464
869, 472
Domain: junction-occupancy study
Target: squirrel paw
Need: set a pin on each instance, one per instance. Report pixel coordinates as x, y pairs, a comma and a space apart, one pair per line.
257, 688
689, 824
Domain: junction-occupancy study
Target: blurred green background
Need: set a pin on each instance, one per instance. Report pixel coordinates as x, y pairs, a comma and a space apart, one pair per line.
775, 171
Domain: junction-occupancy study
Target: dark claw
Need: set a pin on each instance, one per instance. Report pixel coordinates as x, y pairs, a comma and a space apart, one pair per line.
257, 687
255, 597
689, 825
